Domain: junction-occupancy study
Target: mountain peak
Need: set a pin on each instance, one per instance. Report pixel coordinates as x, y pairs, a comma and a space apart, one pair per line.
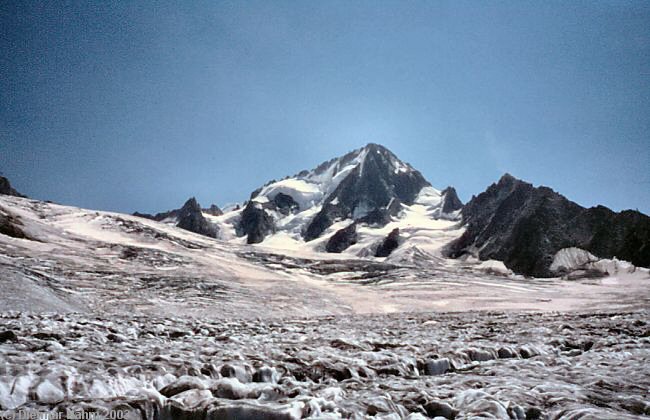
367, 183
191, 205
191, 218
506, 178
375, 147
451, 202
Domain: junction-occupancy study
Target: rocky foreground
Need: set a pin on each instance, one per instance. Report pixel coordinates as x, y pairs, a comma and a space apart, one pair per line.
445, 365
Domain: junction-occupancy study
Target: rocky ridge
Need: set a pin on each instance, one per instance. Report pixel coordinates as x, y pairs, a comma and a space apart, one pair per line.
525, 226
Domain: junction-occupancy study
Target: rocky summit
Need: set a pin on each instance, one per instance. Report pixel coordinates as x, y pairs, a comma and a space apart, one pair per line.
525, 226
190, 217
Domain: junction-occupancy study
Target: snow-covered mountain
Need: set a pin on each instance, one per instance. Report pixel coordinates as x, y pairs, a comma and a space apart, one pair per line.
370, 204
349, 204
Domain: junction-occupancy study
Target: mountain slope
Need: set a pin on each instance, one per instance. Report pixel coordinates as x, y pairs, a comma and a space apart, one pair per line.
525, 226
375, 182
72, 259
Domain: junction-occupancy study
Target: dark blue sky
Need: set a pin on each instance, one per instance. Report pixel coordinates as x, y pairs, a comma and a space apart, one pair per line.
133, 106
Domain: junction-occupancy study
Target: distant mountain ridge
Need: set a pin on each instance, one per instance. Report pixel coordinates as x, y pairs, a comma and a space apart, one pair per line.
369, 203
525, 226
189, 217
345, 200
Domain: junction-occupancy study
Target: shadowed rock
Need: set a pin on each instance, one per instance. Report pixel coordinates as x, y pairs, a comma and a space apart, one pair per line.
159, 216
285, 204
450, 200
342, 239
390, 243
11, 225
213, 210
524, 226
255, 222
190, 217
381, 216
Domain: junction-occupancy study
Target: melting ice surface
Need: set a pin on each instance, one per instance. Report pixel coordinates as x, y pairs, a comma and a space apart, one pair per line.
462, 365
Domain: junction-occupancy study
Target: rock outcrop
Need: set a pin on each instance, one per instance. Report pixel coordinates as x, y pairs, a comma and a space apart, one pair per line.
159, 217
11, 225
450, 200
213, 210
190, 217
285, 204
342, 239
255, 222
389, 244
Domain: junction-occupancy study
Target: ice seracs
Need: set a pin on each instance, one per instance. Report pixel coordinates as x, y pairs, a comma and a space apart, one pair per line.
576, 263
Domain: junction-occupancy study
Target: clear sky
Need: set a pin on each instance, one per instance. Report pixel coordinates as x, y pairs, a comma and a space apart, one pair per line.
137, 106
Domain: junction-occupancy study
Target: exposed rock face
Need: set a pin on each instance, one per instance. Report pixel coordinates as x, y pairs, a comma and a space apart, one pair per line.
145, 215
450, 200
342, 239
324, 219
524, 226
389, 244
255, 222
374, 184
6, 189
213, 210
191, 218
382, 216
285, 204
